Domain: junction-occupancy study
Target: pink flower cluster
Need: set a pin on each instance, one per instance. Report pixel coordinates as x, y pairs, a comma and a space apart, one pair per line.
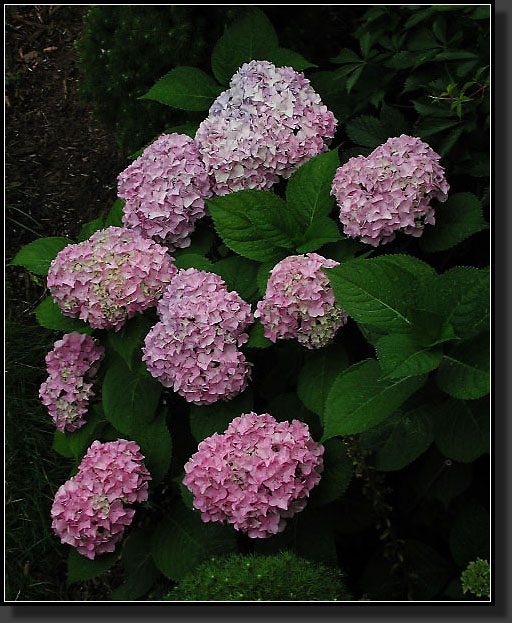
65, 392
266, 124
299, 302
89, 510
106, 279
194, 347
390, 190
255, 475
164, 190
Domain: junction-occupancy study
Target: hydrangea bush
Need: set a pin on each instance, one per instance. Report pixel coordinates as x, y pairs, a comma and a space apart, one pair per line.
287, 385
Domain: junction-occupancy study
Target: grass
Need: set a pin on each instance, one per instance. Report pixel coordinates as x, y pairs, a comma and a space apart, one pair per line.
35, 559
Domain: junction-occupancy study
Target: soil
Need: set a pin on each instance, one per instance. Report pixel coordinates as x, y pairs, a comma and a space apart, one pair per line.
61, 165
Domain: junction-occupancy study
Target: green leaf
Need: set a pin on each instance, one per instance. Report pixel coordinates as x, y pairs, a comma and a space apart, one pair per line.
193, 260
156, 445
48, 315
129, 398
81, 568
308, 191
459, 218
208, 419
239, 275
419, 269
399, 440
461, 428
61, 444
188, 88
346, 56
359, 398
374, 291
317, 376
140, 570
182, 541
322, 231
38, 255
461, 296
393, 121
283, 57
115, 215
354, 77
455, 55
254, 223
464, 371
80, 440
202, 240
343, 250
409, 60
366, 131
470, 534
250, 38
89, 228
400, 355
263, 276
336, 475
430, 126
130, 339
257, 337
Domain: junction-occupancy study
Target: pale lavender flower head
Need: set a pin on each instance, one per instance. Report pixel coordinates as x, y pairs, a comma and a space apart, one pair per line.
194, 348
391, 190
108, 278
89, 511
65, 392
268, 123
255, 475
164, 190
299, 302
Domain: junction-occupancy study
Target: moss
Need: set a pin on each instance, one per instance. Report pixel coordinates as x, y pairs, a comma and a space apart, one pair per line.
281, 577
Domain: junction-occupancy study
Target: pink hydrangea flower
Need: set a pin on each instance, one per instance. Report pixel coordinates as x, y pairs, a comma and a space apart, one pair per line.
66, 392
89, 510
391, 190
194, 348
255, 475
265, 125
164, 190
108, 278
299, 302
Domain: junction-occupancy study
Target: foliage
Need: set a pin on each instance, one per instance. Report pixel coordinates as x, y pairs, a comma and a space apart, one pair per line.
399, 399
282, 577
476, 578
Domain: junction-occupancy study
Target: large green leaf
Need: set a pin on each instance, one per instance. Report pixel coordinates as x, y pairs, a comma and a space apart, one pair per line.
375, 292
115, 216
399, 440
359, 398
464, 371
81, 568
257, 337
193, 260
250, 38
239, 275
456, 220
139, 568
255, 224
188, 88
38, 255
128, 341
181, 541
208, 419
283, 57
318, 374
321, 231
48, 315
400, 355
308, 191
367, 131
336, 475
129, 398
156, 445
462, 428
80, 440
89, 228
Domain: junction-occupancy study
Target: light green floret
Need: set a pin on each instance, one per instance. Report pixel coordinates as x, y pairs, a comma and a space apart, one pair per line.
282, 577
476, 578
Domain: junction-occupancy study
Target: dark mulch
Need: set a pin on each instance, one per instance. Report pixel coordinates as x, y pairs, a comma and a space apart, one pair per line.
61, 165
61, 169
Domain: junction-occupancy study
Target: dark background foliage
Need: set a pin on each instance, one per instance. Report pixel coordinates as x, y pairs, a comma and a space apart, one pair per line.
400, 531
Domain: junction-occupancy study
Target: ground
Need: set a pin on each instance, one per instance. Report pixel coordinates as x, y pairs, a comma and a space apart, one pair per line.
61, 169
